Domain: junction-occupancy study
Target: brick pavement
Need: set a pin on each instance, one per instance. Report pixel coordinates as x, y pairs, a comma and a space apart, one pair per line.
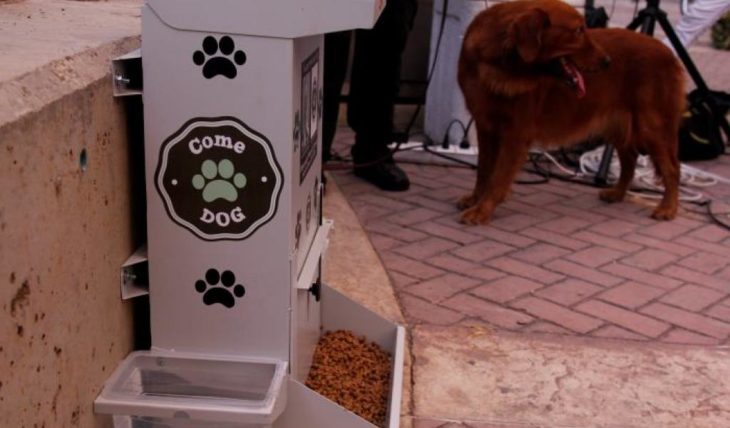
553, 260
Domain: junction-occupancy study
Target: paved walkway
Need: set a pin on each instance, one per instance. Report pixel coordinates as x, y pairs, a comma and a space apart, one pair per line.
554, 259
563, 311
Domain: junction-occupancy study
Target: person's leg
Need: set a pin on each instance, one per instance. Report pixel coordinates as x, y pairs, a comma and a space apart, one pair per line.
336, 54
700, 16
374, 88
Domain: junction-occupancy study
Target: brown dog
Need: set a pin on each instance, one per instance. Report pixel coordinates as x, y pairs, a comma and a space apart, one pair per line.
531, 72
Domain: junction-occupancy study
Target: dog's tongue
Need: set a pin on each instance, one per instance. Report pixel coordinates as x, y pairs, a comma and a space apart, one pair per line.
575, 77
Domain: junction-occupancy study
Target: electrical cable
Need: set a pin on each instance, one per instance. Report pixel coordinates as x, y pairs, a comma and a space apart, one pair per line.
613, 8
437, 49
412, 121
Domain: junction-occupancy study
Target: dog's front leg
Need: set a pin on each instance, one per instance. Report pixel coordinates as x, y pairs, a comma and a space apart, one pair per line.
506, 164
488, 151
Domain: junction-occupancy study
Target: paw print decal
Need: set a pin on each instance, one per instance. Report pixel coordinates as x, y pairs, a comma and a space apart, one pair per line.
218, 181
310, 114
215, 57
219, 288
219, 178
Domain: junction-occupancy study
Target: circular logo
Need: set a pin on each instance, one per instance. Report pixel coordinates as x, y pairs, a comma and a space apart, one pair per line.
219, 178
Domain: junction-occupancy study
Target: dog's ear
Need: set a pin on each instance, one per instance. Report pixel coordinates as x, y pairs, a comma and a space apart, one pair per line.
526, 31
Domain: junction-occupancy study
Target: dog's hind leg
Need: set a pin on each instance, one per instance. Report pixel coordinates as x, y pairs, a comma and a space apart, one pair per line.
488, 152
627, 155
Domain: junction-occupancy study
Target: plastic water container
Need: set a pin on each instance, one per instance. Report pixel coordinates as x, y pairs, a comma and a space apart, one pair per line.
160, 389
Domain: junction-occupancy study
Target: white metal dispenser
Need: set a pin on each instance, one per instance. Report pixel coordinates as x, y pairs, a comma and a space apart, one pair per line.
233, 109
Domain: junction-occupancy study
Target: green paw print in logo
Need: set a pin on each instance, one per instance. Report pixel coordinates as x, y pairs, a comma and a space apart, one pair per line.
219, 181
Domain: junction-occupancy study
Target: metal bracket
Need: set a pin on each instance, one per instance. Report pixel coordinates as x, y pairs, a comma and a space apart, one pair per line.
308, 275
127, 74
135, 275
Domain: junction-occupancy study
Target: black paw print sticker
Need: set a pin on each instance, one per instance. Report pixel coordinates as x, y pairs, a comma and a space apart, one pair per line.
219, 64
213, 293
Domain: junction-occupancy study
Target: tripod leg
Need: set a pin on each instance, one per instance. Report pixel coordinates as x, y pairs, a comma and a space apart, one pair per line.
601, 177
636, 23
627, 155
646, 19
694, 74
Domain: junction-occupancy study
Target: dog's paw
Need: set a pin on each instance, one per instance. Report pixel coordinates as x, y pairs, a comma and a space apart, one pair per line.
611, 195
466, 201
476, 215
664, 213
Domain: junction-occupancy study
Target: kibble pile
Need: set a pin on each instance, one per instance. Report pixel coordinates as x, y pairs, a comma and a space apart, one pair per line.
353, 373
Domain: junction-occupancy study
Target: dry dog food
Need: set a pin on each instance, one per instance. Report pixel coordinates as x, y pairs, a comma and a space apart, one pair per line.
353, 373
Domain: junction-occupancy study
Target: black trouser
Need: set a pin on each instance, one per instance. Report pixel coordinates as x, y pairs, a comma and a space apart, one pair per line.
374, 80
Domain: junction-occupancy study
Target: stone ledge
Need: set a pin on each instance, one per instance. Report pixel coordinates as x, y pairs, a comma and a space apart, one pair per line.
52, 48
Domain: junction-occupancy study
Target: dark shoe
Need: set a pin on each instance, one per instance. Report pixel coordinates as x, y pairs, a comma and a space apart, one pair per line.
386, 175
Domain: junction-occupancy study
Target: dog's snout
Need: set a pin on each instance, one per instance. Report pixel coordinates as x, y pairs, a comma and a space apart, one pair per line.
606, 61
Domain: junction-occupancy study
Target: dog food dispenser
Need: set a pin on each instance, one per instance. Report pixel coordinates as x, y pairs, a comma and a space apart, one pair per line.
232, 109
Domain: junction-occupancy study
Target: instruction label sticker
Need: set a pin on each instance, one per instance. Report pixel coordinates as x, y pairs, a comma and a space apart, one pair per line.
219, 178
311, 113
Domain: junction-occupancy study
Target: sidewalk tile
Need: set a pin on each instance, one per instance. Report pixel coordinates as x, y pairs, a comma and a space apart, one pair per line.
539, 253
595, 256
440, 288
446, 232
632, 273
489, 312
631, 295
706, 262
410, 267
427, 248
564, 225
557, 314
689, 320
421, 311
649, 259
670, 247
613, 332
483, 250
575, 270
695, 277
516, 267
505, 289
692, 297
605, 241
685, 337
624, 318
554, 238
614, 228
568, 292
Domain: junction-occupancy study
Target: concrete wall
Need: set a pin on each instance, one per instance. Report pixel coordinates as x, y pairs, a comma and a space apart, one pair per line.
64, 229
64, 232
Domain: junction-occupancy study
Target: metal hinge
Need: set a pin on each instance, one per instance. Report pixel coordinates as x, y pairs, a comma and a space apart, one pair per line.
135, 275
127, 74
